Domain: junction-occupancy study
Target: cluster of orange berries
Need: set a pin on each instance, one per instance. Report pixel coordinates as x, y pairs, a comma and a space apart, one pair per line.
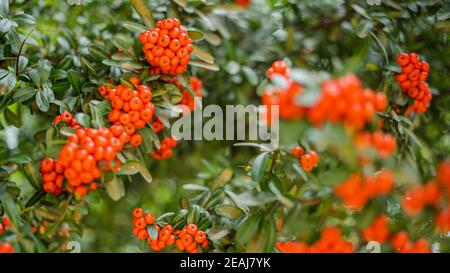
157, 125
378, 230
165, 151
167, 47
188, 239
52, 174
384, 143
4, 224
81, 161
284, 97
421, 196
307, 161
131, 108
243, 3
344, 100
331, 241
401, 243
141, 220
431, 194
88, 152
67, 118
5, 247
443, 175
357, 190
412, 81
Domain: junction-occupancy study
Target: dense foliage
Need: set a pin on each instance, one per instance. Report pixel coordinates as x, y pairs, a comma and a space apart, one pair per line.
85, 92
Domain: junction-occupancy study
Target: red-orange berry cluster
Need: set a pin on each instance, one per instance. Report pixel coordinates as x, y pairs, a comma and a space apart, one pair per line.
443, 220
142, 220
331, 241
167, 47
421, 196
384, 143
243, 3
443, 175
6, 247
284, 97
52, 174
378, 230
188, 239
165, 151
67, 118
307, 160
88, 152
401, 243
357, 190
412, 81
131, 108
4, 224
157, 125
345, 100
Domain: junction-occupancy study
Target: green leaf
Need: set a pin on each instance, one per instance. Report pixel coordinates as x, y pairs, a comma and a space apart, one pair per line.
12, 118
361, 11
195, 187
24, 19
115, 188
259, 166
193, 215
251, 75
37, 196
131, 65
44, 69
9, 80
217, 234
144, 12
74, 78
229, 211
83, 119
5, 25
19, 159
247, 228
97, 117
10, 207
23, 94
4, 8
134, 27
132, 167
65, 63
34, 76
213, 38
63, 105
202, 55
204, 65
42, 101
264, 239
89, 67
32, 174
98, 53
195, 34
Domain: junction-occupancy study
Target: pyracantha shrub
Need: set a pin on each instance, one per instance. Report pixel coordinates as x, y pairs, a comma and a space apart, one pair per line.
413, 83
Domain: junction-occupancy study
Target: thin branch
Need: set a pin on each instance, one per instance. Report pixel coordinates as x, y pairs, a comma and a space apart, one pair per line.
20, 51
